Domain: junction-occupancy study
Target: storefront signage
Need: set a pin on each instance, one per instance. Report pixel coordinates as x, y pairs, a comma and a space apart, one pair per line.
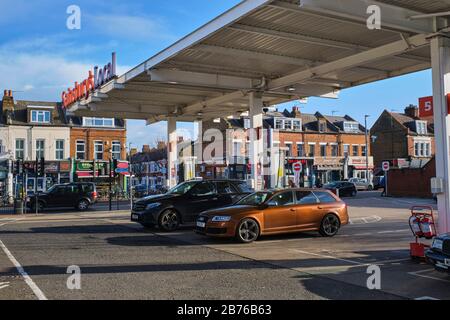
360, 162
95, 80
426, 106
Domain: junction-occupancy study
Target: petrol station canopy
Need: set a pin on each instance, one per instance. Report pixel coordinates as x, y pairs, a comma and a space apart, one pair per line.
284, 49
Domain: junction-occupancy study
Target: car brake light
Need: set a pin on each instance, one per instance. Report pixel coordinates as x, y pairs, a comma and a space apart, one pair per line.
94, 194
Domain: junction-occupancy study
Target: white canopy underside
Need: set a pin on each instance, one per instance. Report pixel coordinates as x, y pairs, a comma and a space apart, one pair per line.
280, 48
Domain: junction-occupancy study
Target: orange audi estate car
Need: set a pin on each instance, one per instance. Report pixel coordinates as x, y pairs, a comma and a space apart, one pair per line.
275, 212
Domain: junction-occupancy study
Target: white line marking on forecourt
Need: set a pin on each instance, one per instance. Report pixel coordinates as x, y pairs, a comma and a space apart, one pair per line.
38, 293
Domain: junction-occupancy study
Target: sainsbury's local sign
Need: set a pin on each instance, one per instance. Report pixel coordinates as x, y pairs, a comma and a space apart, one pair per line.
95, 80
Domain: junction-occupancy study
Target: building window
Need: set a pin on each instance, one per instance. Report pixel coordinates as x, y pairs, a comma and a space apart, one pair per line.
346, 150
363, 151
40, 149
98, 122
421, 127
334, 150
352, 127
116, 150
20, 149
323, 150
322, 127
422, 149
81, 150
279, 124
355, 151
312, 150
39, 116
300, 150
98, 150
288, 125
289, 152
59, 149
297, 125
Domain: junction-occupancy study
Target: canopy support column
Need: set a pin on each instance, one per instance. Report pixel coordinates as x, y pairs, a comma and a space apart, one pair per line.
440, 57
256, 139
172, 152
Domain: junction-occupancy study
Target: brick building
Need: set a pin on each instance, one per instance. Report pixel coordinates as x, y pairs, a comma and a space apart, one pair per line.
329, 147
402, 138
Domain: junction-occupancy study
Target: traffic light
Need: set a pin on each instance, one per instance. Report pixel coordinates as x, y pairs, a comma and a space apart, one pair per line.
42, 168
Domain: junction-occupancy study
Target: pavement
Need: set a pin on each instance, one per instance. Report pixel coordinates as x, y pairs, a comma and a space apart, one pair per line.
119, 259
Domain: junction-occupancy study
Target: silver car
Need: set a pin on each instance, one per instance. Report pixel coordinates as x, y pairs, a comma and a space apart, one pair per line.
362, 184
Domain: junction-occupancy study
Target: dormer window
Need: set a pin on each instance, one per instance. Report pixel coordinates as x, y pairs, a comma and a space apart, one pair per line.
40, 116
98, 122
322, 126
352, 127
288, 124
421, 127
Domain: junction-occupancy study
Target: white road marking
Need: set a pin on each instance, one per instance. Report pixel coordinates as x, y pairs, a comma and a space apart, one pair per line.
365, 220
10, 221
37, 292
418, 274
426, 298
4, 285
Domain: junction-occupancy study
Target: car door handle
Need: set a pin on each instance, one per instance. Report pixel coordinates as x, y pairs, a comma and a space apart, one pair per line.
320, 207
293, 210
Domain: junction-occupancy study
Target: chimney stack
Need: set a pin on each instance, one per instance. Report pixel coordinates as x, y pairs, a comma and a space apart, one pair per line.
296, 112
7, 103
412, 111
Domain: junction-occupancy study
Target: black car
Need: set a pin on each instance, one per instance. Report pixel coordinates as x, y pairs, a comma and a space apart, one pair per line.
439, 253
345, 188
186, 201
72, 195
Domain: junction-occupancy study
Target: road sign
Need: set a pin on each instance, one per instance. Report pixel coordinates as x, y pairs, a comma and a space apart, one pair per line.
297, 167
386, 166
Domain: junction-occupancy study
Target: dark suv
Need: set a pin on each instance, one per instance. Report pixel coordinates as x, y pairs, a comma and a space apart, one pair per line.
77, 195
186, 201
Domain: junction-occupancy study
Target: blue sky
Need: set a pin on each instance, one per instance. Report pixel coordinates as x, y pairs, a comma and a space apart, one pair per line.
39, 56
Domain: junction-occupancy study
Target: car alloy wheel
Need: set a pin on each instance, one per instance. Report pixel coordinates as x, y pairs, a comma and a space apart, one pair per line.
83, 205
248, 231
169, 220
330, 226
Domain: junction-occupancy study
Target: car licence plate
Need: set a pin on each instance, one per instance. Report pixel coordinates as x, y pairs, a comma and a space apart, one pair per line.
201, 224
135, 217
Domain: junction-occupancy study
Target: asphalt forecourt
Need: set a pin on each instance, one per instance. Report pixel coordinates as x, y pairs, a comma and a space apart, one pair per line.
119, 259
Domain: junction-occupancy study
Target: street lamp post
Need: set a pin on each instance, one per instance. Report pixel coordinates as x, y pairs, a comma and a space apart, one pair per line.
367, 146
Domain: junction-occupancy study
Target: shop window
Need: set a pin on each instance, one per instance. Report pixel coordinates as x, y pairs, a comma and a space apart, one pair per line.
334, 150
81, 150
40, 148
300, 150
20, 149
323, 150
59, 150
116, 150
98, 150
312, 150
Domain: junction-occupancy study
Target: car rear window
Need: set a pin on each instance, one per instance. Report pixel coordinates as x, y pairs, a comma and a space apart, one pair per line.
325, 197
244, 187
306, 197
224, 187
85, 188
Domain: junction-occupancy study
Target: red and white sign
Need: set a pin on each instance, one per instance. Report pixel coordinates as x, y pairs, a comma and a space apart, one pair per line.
426, 107
386, 166
95, 80
297, 167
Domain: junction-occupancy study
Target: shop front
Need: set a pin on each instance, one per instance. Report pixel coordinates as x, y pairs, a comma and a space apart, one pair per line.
358, 166
327, 170
306, 178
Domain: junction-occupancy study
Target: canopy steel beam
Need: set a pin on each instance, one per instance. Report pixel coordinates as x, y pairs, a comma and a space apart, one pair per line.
392, 16
371, 55
201, 79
